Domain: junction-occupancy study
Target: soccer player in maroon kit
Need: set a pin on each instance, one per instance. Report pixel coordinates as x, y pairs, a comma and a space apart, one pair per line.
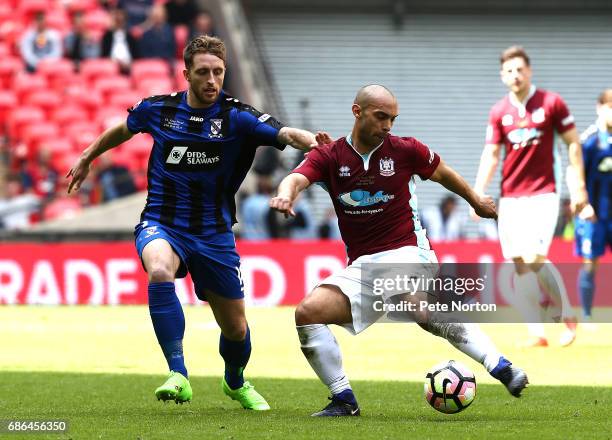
370, 177
523, 125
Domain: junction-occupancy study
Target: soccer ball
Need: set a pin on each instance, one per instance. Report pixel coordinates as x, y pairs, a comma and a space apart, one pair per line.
450, 387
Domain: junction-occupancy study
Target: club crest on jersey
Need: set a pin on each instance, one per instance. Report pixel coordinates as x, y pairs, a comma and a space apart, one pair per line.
387, 167
507, 120
215, 128
538, 116
344, 171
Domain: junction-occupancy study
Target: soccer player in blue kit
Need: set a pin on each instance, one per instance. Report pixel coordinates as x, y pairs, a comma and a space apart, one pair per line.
594, 222
204, 145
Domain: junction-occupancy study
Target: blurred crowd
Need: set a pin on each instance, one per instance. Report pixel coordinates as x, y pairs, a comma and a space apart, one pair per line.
68, 70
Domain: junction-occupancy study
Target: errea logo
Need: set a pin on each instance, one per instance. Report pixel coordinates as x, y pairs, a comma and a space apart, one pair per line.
176, 154
344, 171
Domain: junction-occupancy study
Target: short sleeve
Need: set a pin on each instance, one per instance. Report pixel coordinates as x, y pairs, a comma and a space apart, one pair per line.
138, 117
314, 166
562, 118
424, 161
261, 128
494, 132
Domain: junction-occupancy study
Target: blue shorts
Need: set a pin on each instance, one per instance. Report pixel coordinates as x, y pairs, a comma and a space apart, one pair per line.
212, 266
591, 238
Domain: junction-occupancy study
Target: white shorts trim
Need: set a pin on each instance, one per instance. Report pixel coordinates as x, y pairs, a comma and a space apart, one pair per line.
349, 281
527, 224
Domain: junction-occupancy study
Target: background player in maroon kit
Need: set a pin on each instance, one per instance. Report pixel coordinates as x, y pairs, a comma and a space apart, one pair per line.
523, 125
370, 178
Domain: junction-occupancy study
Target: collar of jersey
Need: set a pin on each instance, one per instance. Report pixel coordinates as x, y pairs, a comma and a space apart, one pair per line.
212, 108
521, 105
604, 136
365, 157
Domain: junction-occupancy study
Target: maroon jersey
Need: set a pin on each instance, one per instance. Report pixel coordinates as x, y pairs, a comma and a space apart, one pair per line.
372, 193
527, 131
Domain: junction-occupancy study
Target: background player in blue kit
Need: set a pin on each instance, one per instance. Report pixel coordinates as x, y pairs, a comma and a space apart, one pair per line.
204, 145
594, 222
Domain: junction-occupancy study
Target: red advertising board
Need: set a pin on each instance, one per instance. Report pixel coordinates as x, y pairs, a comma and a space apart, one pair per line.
274, 272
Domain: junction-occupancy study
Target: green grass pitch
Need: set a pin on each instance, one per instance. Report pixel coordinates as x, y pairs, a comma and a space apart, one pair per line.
97, 369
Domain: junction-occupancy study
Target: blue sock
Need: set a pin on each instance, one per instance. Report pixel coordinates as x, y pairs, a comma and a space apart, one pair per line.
168, 323
503, 363
236, 355
347, 396
586, 285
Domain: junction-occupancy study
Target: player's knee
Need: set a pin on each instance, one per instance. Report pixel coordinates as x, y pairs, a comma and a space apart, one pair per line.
160, 272
235, 331
305, 313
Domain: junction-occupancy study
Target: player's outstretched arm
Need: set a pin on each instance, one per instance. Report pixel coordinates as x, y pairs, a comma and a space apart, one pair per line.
577, 188
297, 138
110, 138
288, 191
483, 205
489, 159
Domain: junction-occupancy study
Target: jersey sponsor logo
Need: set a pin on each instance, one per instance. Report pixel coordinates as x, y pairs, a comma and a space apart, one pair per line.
359, 198
264, 117
524, 137
215, 128
193, 156
176, 154
538, 116
344, 171
196, 118
507, 120
387, 167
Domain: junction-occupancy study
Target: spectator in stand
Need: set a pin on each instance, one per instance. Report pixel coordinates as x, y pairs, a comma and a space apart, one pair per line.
115, 180
158, 41
40, 43
45, 176
136, 11
255, 211
202, 24
118, 44
79, 44
444, 222
302, 226
17, 207
181, 12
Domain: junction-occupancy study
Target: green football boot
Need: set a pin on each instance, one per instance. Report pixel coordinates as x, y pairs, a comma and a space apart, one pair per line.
247, 396
176, 387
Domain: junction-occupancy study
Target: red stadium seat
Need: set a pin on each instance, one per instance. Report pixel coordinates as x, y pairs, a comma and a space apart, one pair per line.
57, 146
181, 35
24, 84
109, 117
47, 100
94, 68
8, 101
9, 67
140, 146
35, 134
97, 21
29, 7
110, 86
155, 86
63, 207
5, 50
124, 100
149, 68
67, 114
57, 18
181, 82
82, 133
82, 5
90, 100
61, 69
22, 116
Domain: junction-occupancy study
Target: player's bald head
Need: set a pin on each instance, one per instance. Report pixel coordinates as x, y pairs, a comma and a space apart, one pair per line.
374, 94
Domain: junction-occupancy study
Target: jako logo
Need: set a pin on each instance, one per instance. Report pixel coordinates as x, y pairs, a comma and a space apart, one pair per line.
196, 119
360, 197
176, 154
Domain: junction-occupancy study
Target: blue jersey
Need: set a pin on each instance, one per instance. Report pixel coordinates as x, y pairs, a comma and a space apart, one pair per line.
199, 159
597, 153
